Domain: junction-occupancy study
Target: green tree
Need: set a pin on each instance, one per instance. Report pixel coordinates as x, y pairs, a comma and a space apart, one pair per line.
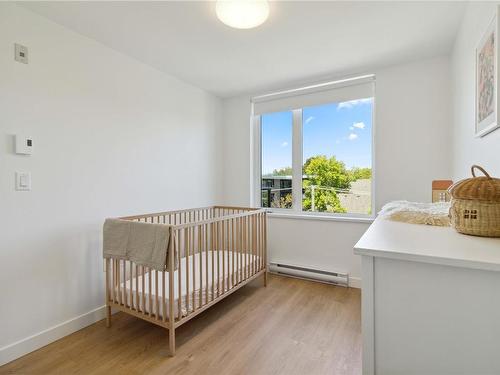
326, 175
360, 173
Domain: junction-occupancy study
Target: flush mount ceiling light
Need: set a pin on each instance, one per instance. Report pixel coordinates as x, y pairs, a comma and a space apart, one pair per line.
242, 14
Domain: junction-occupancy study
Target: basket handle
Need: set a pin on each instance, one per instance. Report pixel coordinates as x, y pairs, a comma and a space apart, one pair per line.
481, 169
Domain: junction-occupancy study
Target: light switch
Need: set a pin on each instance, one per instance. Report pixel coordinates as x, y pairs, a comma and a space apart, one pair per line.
21, 53
23, 181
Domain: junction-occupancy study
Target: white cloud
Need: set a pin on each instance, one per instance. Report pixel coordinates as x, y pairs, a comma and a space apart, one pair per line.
359, 125
351, 127
284, 144
351, 103
352, 137
309, 119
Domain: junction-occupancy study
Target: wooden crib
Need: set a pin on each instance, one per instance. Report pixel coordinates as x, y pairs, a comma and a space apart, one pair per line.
218, 250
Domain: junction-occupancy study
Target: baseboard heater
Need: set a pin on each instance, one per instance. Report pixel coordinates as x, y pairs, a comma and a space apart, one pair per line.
328, 277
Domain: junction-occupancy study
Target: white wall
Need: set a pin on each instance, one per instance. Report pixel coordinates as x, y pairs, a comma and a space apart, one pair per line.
413, 119
112, 137
467, 149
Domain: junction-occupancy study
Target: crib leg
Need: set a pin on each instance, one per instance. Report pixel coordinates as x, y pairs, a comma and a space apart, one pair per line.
265, 278
108, 316
171, 341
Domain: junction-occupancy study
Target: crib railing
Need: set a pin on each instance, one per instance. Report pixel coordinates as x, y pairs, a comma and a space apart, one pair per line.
218, 250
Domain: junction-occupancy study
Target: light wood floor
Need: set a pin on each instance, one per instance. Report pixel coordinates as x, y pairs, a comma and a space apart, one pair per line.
290, 327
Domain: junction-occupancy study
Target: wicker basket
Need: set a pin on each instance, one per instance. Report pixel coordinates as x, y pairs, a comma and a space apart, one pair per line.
475, 205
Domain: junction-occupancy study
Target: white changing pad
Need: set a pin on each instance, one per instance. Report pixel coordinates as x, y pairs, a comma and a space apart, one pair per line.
225, 260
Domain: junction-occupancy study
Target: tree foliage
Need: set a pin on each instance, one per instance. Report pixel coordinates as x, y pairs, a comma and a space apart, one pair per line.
328, 172
326, 175
360, 173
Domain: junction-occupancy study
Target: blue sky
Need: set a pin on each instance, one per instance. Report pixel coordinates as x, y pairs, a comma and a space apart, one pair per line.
340, 129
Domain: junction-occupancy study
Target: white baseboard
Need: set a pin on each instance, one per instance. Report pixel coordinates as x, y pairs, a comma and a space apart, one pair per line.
22, 347
355, 282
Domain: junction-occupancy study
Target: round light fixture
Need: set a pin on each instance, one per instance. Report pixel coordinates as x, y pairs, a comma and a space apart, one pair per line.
242, 14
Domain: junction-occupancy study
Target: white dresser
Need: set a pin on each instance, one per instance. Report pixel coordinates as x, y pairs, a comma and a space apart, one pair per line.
430, 301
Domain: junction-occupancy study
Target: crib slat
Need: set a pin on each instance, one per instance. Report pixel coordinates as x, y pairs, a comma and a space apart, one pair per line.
173, 246
156, 296
254, 242
255, 232
186, 252
240, 248
212, 228
217, 245
263, 256
220, 287
228, 247
137, 301
143, 290
250, 245
200, 245
207, 248
258, 242
265, 243
180, 245
118, 280
245, 248
235, 251
113, 279
194, 264
244, 267
223, 240
245, 254
261, 216
233, 247
130, 300
249, 250
164, 296
124, 298
150, 293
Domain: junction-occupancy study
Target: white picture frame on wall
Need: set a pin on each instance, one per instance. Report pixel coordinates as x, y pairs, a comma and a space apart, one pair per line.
486, 82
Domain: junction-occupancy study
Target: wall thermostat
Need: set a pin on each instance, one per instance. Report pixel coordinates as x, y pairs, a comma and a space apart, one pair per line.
24, 145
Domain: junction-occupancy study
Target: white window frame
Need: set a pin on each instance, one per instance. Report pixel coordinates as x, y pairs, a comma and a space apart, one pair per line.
296, 212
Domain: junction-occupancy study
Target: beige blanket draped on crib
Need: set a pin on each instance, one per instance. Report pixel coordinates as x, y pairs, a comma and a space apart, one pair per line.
145, 244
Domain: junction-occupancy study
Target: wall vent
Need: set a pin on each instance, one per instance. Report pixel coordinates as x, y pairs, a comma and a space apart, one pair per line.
328, 277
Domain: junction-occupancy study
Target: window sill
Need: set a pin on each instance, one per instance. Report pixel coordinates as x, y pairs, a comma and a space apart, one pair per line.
306, 216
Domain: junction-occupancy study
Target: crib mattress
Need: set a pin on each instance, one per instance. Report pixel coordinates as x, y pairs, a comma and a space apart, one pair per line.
222, 281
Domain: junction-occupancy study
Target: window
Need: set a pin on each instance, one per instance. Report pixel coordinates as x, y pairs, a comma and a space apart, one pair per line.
276, 182
315, 149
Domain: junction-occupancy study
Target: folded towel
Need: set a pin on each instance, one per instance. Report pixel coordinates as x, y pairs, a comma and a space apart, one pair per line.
145, 244
417, 213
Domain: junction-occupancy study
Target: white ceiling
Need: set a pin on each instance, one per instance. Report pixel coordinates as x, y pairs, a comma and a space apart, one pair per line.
301, 41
